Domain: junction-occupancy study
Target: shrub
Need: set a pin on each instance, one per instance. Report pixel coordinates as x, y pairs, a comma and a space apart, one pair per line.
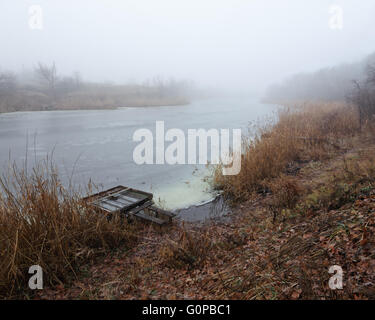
286, 192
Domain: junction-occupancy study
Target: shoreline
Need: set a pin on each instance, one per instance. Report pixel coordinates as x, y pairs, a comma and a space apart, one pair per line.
210, 210
98, 108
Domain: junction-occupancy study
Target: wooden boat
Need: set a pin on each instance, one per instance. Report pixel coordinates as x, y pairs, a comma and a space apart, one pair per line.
131, 203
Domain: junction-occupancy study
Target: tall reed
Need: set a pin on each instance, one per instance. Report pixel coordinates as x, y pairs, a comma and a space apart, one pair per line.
306, 132
43, 223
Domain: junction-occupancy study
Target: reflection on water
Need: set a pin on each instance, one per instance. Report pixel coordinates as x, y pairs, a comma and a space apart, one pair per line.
98, 144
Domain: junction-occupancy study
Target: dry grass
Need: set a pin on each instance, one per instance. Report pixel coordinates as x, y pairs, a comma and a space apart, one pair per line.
89, 98
189, 251
301, 133
119, 96
286, 191
43, 223
350, 177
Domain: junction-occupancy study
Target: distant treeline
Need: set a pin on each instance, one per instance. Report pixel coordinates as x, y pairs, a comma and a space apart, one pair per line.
45, 89
330, 84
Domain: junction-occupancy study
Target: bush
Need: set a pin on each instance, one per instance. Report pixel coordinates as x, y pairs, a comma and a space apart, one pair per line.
286, 192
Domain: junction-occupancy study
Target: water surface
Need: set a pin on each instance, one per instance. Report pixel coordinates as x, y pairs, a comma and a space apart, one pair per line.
98, 144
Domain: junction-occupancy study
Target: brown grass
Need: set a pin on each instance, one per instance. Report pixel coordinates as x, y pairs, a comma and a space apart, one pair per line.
350, 177
119, 96
286, 191
90, 98
189, 251
43, 223
301, 133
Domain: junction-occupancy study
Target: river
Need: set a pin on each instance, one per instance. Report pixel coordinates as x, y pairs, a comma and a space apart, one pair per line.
98, 144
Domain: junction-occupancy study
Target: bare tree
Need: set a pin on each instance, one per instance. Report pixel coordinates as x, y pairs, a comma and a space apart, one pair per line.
48, 76
363, 96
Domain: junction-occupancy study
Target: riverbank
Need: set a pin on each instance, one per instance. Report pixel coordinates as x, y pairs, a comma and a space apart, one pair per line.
72, 94
279, 243
288, 226
250, 256
96, 105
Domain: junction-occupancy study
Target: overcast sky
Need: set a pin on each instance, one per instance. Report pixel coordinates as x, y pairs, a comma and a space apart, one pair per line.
226, 43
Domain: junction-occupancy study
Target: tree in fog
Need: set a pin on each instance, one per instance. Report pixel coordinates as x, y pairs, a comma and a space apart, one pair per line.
363, 95
47, 76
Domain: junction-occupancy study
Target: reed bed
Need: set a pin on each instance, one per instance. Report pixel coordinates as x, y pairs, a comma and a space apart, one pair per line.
43, 223
300, 133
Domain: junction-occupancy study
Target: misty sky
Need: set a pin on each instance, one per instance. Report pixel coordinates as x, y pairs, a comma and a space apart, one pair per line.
230, 44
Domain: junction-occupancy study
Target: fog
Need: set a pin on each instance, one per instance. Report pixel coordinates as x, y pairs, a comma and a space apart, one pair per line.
233, 45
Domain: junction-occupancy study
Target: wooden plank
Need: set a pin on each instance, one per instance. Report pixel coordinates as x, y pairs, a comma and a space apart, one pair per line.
136, 204
106, 207
106, 193
119, 190
150, 218
137, 193
113, 204
123, 201
141, 207
111, 195
163, 212
105, 203
132, 199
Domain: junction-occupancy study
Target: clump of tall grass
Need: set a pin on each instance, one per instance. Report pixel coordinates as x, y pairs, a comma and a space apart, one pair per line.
189, 251
301, 133
43, 223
